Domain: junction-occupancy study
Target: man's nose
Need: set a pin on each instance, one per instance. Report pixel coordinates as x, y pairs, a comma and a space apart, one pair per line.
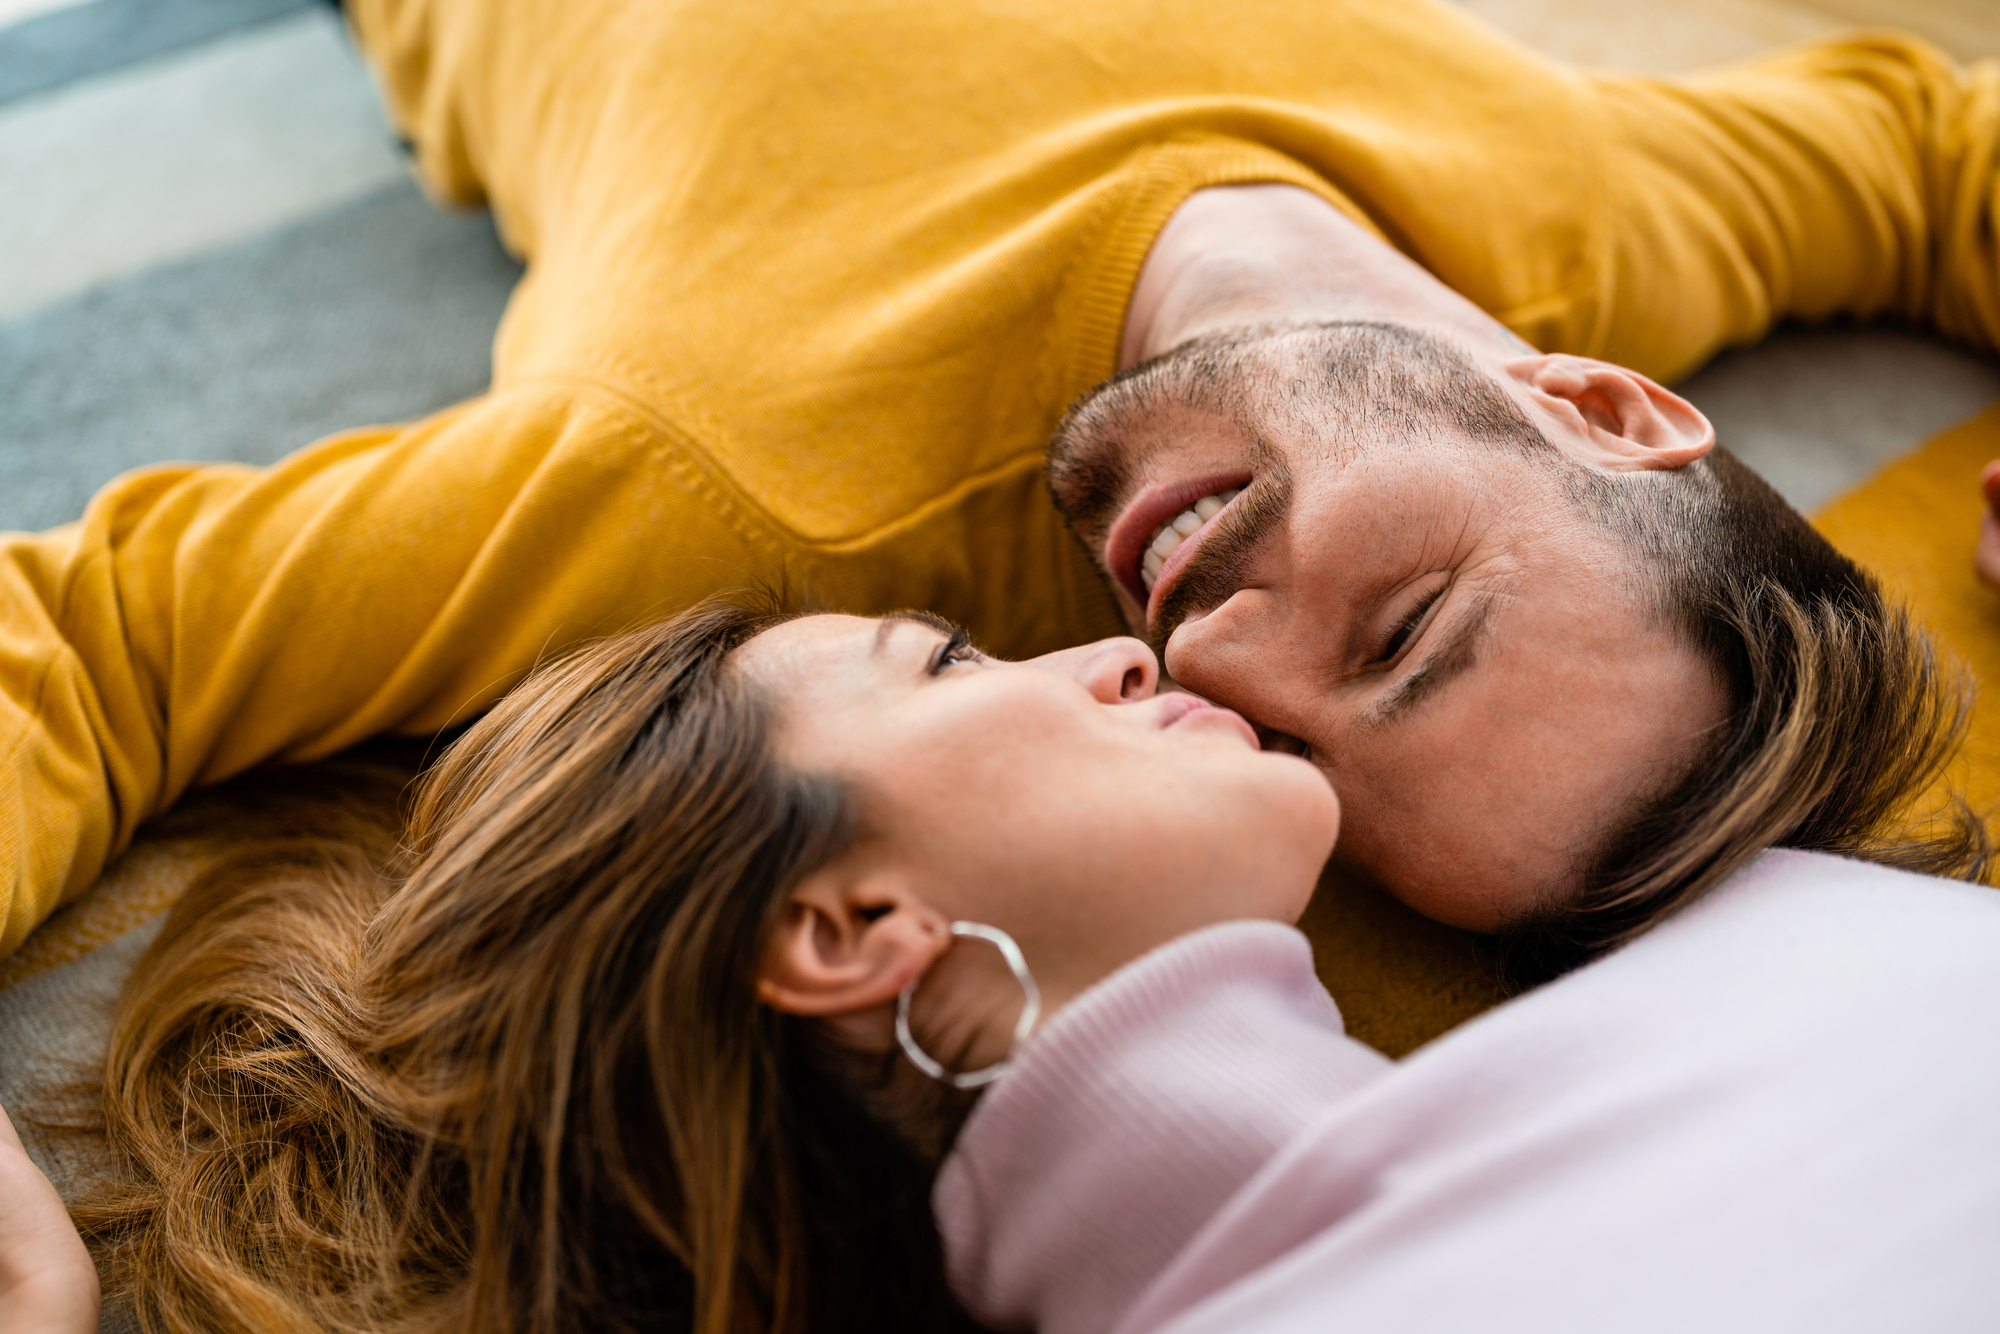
1242, 655
1114, 670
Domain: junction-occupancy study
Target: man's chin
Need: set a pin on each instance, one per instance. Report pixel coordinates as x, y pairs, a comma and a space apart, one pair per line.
1454, 901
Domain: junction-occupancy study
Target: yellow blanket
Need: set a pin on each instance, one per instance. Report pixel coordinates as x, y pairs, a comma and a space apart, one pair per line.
1914, 525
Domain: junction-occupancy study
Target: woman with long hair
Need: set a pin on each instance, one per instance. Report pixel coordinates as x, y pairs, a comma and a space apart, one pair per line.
608, 1040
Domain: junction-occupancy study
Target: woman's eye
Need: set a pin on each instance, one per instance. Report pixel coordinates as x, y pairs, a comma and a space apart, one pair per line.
954, 651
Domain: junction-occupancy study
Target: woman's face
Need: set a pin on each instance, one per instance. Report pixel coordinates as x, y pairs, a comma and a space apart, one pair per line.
1061, 799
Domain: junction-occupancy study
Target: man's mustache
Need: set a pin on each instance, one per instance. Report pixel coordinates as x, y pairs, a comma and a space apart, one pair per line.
1218, 567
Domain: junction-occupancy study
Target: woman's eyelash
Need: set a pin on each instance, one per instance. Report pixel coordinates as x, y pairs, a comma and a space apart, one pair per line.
958, 648
1409, 626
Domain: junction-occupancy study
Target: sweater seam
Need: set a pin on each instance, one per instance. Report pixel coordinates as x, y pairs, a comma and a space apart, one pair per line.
778, 536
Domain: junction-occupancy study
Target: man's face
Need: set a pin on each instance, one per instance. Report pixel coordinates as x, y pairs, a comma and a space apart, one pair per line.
1469, 659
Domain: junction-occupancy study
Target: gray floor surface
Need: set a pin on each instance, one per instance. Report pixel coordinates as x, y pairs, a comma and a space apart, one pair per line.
1817, 411
381, 310
77, 41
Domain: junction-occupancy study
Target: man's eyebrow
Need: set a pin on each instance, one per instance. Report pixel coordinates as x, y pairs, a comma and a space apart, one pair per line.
890, 620
1451, 659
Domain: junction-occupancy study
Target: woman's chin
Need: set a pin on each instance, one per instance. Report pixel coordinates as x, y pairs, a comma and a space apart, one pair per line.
1309, 793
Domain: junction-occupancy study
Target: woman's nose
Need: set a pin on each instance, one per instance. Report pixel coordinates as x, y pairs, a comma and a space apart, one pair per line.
1114, 670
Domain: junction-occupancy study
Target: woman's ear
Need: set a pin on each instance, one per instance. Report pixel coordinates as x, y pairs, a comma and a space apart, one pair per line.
1617, 418
851, 936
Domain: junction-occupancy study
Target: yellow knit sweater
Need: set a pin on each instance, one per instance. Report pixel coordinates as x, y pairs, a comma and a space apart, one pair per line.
811, 280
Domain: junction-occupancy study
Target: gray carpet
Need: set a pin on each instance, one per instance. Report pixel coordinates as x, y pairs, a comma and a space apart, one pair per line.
380, 310
1818, 410
77, 41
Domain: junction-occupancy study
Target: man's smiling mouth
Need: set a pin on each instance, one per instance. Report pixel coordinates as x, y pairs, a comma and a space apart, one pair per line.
1152, 540
1182, 526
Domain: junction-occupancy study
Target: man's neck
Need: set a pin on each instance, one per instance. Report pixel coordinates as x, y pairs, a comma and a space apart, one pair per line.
1246, 254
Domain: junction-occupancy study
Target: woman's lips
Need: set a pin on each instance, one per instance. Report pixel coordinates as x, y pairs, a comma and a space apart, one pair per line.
1125, 546
1181, 707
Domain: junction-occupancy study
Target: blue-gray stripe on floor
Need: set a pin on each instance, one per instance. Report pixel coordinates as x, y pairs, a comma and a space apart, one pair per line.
380, 310
53, 49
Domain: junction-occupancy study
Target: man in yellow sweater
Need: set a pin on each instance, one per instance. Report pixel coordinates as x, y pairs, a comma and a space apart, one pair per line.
810, 286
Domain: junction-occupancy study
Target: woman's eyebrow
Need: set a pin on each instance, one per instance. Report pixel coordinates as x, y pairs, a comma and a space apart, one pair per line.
890, 620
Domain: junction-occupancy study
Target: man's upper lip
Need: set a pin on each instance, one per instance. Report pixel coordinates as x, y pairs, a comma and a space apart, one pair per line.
1125, 545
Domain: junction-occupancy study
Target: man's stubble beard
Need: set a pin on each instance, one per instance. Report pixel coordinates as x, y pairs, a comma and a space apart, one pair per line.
1088, 480
1218, 570
1091, 481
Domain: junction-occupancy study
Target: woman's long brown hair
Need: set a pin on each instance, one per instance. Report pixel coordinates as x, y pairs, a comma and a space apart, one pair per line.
521, 1083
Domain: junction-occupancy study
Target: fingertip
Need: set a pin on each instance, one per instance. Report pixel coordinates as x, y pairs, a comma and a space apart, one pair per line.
1986, 556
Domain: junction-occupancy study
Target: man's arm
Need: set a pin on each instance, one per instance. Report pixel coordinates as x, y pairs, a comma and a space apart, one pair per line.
1856, 177
199, 621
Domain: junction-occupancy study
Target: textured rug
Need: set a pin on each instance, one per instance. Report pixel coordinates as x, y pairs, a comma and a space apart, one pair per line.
215, 250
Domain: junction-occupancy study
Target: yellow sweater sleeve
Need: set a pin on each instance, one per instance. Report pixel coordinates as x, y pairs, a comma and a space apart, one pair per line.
200, 620
1854, 177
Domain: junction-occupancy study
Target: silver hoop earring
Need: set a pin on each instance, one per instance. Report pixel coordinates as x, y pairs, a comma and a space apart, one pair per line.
1030, 1012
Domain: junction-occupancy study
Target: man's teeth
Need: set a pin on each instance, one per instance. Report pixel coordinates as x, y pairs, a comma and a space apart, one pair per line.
1178, 530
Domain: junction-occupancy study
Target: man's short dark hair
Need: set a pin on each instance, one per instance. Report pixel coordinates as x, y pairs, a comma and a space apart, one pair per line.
1842, 714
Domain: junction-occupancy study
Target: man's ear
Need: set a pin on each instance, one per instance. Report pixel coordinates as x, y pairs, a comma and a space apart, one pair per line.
851, 936
1617, 418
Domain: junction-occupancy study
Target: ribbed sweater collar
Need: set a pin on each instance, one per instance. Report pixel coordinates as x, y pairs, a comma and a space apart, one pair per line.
1132, 1117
